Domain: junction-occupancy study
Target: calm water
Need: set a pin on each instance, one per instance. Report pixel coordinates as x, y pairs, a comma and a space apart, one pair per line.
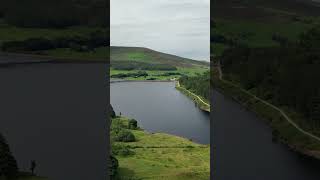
244, 148
55, 114
159, 107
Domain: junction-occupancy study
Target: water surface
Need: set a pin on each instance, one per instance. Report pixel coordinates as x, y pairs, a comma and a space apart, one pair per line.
244, 148
55, 114
159, 107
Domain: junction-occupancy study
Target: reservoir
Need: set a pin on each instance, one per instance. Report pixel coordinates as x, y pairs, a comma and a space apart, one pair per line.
55, 114
159, 107
244, 148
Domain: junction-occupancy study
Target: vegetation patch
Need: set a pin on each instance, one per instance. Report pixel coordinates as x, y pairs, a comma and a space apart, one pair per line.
283, 131
197, 88
160, 156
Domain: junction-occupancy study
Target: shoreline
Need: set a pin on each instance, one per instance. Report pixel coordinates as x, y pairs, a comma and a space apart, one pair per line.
201, 105
273, 120
28, 59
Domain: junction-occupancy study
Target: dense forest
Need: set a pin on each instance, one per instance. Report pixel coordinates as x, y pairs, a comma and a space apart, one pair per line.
199, 84
287, 75
54, 13
8, 164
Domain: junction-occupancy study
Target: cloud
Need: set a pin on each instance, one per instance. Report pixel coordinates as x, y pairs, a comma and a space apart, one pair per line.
176, 27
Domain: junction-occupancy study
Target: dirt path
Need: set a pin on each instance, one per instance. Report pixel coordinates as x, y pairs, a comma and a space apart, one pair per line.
178, 85
272, 106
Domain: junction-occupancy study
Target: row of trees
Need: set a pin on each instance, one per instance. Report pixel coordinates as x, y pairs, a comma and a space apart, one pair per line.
287, 75
8, 164
54, 13
77, 43
199, 84
135, 65
134, 75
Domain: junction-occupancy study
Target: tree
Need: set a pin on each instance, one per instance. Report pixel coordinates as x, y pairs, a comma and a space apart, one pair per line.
8, 164
132, 124
113, 166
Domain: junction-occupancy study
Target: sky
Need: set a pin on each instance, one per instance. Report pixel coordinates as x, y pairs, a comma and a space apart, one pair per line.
179, 27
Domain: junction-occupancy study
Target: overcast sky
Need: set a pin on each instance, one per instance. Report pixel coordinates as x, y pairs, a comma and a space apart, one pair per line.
179, 27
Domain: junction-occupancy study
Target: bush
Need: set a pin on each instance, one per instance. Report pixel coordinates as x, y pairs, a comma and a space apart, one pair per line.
124, 135
112, 113
121, 150
113, 166
135, 75
8, 165
132, 124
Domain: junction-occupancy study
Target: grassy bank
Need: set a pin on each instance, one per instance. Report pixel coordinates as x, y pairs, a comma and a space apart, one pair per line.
162, 75
201, 102
161, 156
283, 131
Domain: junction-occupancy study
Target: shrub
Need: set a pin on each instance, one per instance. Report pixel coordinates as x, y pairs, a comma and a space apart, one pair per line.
121, 150
113, 166
132, 124
8, 165
124, 135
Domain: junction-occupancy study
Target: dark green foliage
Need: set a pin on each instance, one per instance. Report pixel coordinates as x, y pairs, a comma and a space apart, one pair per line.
124, 135
120, 134
33, 44
310, 40
113, 166
283, 41
76, 43
8, 165
132, 124
121, 150
135, 75
133, 65
55, 13
286, 76
200, 84
170, 74
112, 113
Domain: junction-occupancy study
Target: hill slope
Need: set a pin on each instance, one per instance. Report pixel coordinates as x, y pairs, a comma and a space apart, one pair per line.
137, 63
150, 56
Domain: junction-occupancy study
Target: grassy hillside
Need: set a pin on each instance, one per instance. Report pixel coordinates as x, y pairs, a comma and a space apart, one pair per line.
157, 65
254, 23
160, 156
76, 42
270, 49
151, 56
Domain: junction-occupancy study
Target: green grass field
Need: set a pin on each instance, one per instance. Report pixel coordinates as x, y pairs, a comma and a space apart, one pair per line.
257, 34
163, 156
184, 66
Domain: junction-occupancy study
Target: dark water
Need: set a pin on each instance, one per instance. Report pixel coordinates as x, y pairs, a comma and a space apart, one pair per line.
159, 107
55, 114
244, 149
